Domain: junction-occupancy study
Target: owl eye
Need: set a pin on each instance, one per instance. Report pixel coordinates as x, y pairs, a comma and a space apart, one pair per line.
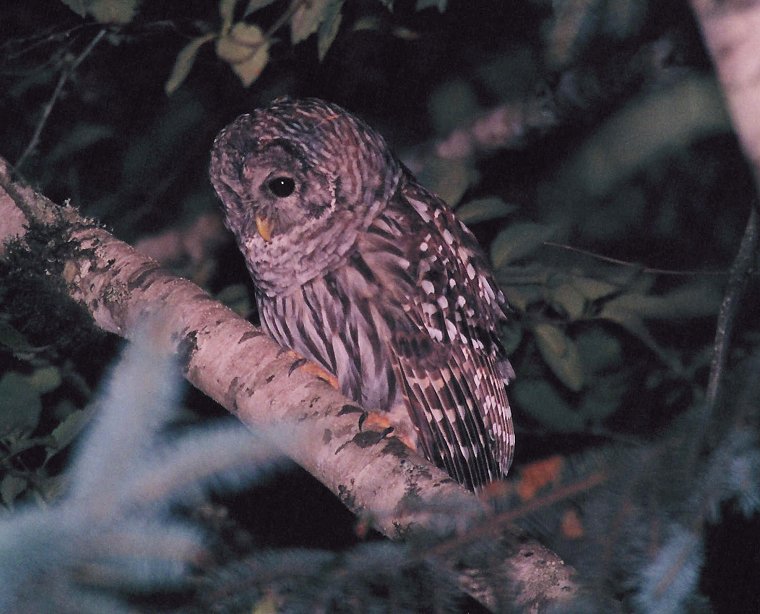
281, 186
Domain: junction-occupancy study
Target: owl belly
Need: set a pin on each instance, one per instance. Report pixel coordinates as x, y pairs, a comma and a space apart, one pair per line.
344, 333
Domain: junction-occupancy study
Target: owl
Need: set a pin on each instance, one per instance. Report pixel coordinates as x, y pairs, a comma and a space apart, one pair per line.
362, 270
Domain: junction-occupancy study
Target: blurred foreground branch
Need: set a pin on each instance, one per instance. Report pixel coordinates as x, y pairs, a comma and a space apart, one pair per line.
236, 364
729, 30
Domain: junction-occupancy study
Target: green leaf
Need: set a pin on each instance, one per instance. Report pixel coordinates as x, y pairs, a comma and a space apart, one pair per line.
105, 11
67, 430
79, 138
425, 4
227, 13
250, 70
10, 488
246, 50
405, 34
541, 401
51, 488
692, 300
568, 299
78, 6
13, 340
634, 324
599, 350
113, 11
20, 404
603, 396
517, 241
184, 63
452, 105
329, 27
626, 318
255, 5
447, 178
307, 18
560, 354
240, 43
45, 379
594, 289
511, 336
522, 296
484, 209
367, 22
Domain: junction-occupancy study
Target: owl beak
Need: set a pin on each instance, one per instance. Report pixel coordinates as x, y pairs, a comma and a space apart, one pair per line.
264, 227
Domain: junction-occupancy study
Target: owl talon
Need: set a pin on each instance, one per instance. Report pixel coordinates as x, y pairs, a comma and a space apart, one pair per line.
298, 363
315, 370
381, 421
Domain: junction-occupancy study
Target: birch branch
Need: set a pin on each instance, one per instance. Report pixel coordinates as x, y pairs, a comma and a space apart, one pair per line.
241, 368
729, 30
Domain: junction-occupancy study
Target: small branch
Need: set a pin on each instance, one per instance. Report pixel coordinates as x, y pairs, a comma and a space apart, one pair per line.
497, 522
514, 123
634, 265
39, 39
737, 283
503, 126
62, 80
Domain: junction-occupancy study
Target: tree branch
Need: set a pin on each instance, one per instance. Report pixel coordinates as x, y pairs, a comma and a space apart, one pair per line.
241, 368
737, 283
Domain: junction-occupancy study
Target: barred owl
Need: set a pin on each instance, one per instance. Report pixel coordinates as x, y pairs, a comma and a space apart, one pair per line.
359, 268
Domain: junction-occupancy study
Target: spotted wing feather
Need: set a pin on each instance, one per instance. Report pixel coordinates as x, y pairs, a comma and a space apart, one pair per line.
449, 362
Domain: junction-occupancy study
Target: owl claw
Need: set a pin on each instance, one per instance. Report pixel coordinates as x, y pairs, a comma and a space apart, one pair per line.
298, 363
381, 421
315, 370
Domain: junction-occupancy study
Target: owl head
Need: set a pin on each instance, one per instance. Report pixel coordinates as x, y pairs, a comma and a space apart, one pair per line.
293, 169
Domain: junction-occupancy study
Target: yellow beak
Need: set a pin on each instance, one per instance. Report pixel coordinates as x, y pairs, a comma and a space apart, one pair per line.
264, 227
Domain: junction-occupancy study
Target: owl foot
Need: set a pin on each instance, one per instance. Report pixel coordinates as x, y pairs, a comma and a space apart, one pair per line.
383, 421
314, 369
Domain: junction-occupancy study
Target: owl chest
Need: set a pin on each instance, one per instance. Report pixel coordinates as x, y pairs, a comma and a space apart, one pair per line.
342, 328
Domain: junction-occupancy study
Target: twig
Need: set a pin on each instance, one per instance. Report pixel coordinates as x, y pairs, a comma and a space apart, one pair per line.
494, 526
643, 269
737, 282
65, 74
50, 35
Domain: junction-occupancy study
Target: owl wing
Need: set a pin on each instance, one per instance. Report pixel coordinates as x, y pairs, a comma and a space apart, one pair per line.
449, 362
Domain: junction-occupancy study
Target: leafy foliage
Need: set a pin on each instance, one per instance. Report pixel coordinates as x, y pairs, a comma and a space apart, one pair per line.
245, 46
105, 11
